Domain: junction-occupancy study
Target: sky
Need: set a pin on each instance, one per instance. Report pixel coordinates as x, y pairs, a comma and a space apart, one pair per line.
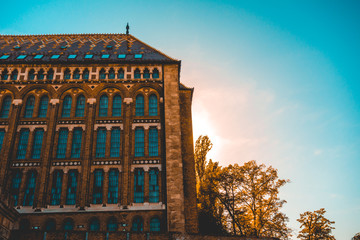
275, 81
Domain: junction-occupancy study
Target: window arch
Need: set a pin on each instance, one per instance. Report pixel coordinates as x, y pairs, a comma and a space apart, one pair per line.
37, 143
76, 74
100, 143
44, 102
146, 73
50, 225
68, 224
103, 106
50, 74
112, 224
66, 106
67, 74
14, 74
98, 186
121, 74
5, 108
155, 224
5, 75
85, 74
153, 105
29, 107
155, 73
116, 106
30, 189
80, 106
137, 224
31, 74
111, 73
94, 224
139, 142
23, 143
102, 74
41, 75
139, 106
137, 74
139, 185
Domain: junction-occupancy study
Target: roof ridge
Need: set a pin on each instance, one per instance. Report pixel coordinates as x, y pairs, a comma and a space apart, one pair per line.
58, 34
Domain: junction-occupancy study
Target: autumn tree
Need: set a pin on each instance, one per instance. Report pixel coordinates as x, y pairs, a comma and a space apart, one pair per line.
315, 226
356, 237
202, 146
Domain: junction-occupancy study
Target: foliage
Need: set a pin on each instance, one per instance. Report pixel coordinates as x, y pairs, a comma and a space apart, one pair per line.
315, 226
356, 237
202, 146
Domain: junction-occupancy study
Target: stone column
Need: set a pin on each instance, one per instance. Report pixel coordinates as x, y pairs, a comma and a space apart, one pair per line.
146, 184
30, 144
64, 187
69, 142
105, 186
22, 187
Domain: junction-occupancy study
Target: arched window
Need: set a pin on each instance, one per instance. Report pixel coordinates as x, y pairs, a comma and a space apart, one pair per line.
5, 108
31, 74
76, 143
67, 74
137, 74
66, 106
50, 74
139, 142
101, 142
102, 74
103, 106
30, 189
62, 143
14, 74
115, 143
116, 106
41, 75
98, 186
153, 142
153, 105
23, 142
112, 225
37, 143
71, 188
80, 106
155, 224
56, 188
29, 107
137, 225
44, 102
68, 224
111, 73
155, 73
24, 225
4, 75
76, 74
113, 186
94, 224
139, 107
138, 185
50, 225
2, 135
154, 185
121, 74
15, 187
146, 73
85, 74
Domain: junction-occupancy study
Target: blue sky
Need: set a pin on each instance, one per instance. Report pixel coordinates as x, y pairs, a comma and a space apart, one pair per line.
275, 81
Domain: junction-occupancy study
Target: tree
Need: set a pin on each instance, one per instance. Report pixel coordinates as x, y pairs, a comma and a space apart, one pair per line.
356, 237
202, 146
315, 226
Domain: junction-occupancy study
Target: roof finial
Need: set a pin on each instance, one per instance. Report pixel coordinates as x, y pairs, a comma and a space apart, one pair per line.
127, 29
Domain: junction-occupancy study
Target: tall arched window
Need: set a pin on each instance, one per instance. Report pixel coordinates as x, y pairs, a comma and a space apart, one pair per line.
68, 224
71, 188
2, 135
56, 188
116, 106
98, 186
137, 225
62, 143
29, 107
37, 143
5, 108
138, 185
102, 74
80, 106
85, 74
115, 143
111, 73
139, 107
41, 75
66, 106
101, 142
153, 105
112, 225
50, 225
146, 73
76, 74
103, 106
121, 74
31, 74
153, 142
30, 189
44, 102
155, 73
139, 142
155, 224
113, 186
50, 74
67, 74
154, 185
94, 224
4, 75
14, 74
76, 143
23, 143
137, 74
15, 187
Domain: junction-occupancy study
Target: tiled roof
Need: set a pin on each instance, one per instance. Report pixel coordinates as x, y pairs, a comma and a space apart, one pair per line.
42, 48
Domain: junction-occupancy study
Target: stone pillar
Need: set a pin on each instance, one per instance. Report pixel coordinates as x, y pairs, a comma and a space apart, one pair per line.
108, 139
146, 184
22, 187
64, 187
30, 144
69, 143
105, 186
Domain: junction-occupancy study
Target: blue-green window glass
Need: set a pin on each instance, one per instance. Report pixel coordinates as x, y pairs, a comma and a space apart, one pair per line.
41, 75
80, 106
154, 185
71, 188
139, 142
62, 143
55, 56
50, 225
72, 56
21, 57
68, 224
137, 74
138, 55
153, 142
105, 56
155, 225
155, 73
139, 107
116, 106
30, 189
121, 73
113, 186
5, 108
2, 135
50, 74
15, 187
122, 56
56, 188
98, 186
14, 75
37, 144
115, 143
94, 224
101, 142
103, 106
4, 75
102, 74
146, 73
139, 185
44, 102
111, 74
31, 74
76, 74
137, 225
88, 56
29, 107
112, 225
76, 143
153, 105
85, 74
23, 142
4, 56
66, 106
67, 74
38, 56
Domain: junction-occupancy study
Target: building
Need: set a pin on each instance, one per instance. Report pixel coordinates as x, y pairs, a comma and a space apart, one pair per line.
95, 135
